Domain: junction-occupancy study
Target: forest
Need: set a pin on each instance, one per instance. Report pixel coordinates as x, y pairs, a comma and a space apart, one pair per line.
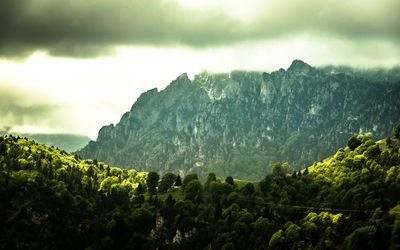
51, 199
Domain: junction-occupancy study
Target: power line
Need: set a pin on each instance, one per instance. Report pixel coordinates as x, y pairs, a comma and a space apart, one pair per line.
316, 208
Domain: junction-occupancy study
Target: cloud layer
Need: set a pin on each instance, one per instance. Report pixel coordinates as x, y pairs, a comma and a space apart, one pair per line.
91, 28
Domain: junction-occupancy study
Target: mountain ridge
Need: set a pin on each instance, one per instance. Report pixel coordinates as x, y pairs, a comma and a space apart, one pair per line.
64, 141
222, 122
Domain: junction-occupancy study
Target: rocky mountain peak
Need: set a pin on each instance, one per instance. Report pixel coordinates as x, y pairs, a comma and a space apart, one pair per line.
145, 97
300, 67
105, 132
182, 79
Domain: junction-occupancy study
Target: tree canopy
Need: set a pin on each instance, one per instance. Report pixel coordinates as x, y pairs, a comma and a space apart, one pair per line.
52, 199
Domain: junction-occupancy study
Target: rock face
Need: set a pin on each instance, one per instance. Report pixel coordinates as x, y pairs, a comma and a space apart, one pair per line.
240, 123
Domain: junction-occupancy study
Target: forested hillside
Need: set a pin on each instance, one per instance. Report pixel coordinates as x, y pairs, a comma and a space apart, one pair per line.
240, 123
54, 200
51, 199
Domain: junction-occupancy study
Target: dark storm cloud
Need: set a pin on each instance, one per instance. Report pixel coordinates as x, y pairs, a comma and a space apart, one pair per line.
16, 109
91, 28
356, 19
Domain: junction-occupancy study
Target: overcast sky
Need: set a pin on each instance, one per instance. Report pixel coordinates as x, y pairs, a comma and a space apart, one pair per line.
73, 66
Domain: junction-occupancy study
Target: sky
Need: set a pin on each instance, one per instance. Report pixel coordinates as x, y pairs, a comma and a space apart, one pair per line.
72, 66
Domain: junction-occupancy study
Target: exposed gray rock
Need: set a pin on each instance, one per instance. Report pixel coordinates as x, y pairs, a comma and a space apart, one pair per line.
240, 123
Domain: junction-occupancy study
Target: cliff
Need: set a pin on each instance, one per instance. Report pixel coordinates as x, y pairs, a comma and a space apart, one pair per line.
240, 123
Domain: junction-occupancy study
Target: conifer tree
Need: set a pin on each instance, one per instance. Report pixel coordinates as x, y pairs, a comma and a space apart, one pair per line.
178, 181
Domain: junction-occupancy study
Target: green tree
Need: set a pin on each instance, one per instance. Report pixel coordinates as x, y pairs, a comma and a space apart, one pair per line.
292, 233
152, 182
361, 238
166, 182
211, 177
388, 142
353, 142
107, 183
178, 181
248, 189
372, 151
194, 191
3, 148
107, 171
280, 169
397, 131
142, 219
229, 180
265, 183
188, 178
90, 172
228, 246
140, 189
217, 190
277, 240
263, 227
395, 239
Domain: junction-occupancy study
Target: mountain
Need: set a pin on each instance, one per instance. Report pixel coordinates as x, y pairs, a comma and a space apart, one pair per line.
50, 199
67, 142
240, 123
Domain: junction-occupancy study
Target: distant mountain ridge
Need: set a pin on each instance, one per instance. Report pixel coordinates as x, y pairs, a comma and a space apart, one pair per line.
240, 123
67, 142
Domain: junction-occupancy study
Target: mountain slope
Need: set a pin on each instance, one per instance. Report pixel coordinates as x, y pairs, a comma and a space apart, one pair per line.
67, 142
51, 199
241, 123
